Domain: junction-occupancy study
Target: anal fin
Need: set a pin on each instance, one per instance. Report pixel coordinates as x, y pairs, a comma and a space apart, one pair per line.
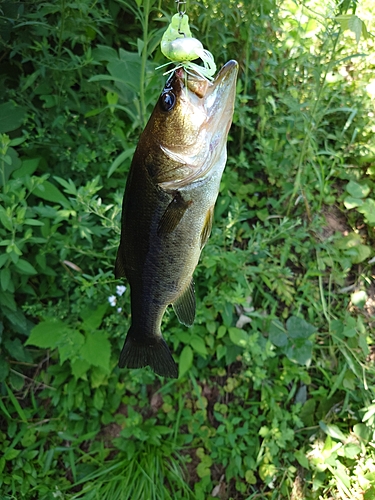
184, 306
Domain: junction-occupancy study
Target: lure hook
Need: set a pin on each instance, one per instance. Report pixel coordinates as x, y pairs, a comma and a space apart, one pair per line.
181, 12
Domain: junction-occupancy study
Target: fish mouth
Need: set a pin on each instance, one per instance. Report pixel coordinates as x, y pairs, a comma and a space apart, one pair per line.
221, 90
215, 102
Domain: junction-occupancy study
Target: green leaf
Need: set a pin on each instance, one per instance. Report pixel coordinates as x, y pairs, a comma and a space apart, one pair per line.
298, 328
7, 300
237, 336
221, 351
97, 350
351, 202
49, 192
11, 117
351, 450
5, 278
359, 298
92, 318
363, 432
277, 334
98, 399
47, 333
186, 361
79, 368
197, 343
302, 459
360, 253
357, 190
25, 267
355, 24
333, 431
368, 210
300, 351
369, 494
69, 344
27, 167
16, 404
119, 160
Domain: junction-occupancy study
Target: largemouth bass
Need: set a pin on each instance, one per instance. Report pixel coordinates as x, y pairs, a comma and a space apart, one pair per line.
168, 208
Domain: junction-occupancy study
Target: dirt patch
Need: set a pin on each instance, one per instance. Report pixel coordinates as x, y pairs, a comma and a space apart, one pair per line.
335, 222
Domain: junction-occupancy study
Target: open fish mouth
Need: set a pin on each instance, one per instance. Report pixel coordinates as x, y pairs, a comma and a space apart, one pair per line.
211, 105
220, 93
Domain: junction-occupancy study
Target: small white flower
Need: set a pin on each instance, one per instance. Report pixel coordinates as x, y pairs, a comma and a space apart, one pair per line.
119, 309
120, 289
112, 300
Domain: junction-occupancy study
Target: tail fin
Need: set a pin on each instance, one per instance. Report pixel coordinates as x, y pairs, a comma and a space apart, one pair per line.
156, 354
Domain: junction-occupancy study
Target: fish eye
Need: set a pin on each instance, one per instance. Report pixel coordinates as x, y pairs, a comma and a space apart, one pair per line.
167, 100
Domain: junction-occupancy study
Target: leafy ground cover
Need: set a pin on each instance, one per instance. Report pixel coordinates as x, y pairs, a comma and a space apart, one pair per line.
275, 398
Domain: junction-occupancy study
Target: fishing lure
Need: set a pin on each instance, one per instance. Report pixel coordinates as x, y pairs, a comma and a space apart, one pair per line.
181, 48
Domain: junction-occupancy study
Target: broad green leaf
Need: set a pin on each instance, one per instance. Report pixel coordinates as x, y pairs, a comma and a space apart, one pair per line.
27, 167
69, 344
238, 337
97, 350
250, 477
359, 298
369, 494
47, 333
92, 318
98, 399
186, 361
368, 210
17, 350
349, 241
302, 459
5, 278
277, 334
351, 202
357, 190
25, 267
221, 351
333, 431
49, 192
197, 343
300, 351
363, 432
360, 253
351, 450
79, 368
298, 328
7, 300
11, 116
356, 26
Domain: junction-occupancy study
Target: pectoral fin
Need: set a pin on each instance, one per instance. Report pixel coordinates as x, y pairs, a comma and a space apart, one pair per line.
173, 214
184, 306
206, 231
